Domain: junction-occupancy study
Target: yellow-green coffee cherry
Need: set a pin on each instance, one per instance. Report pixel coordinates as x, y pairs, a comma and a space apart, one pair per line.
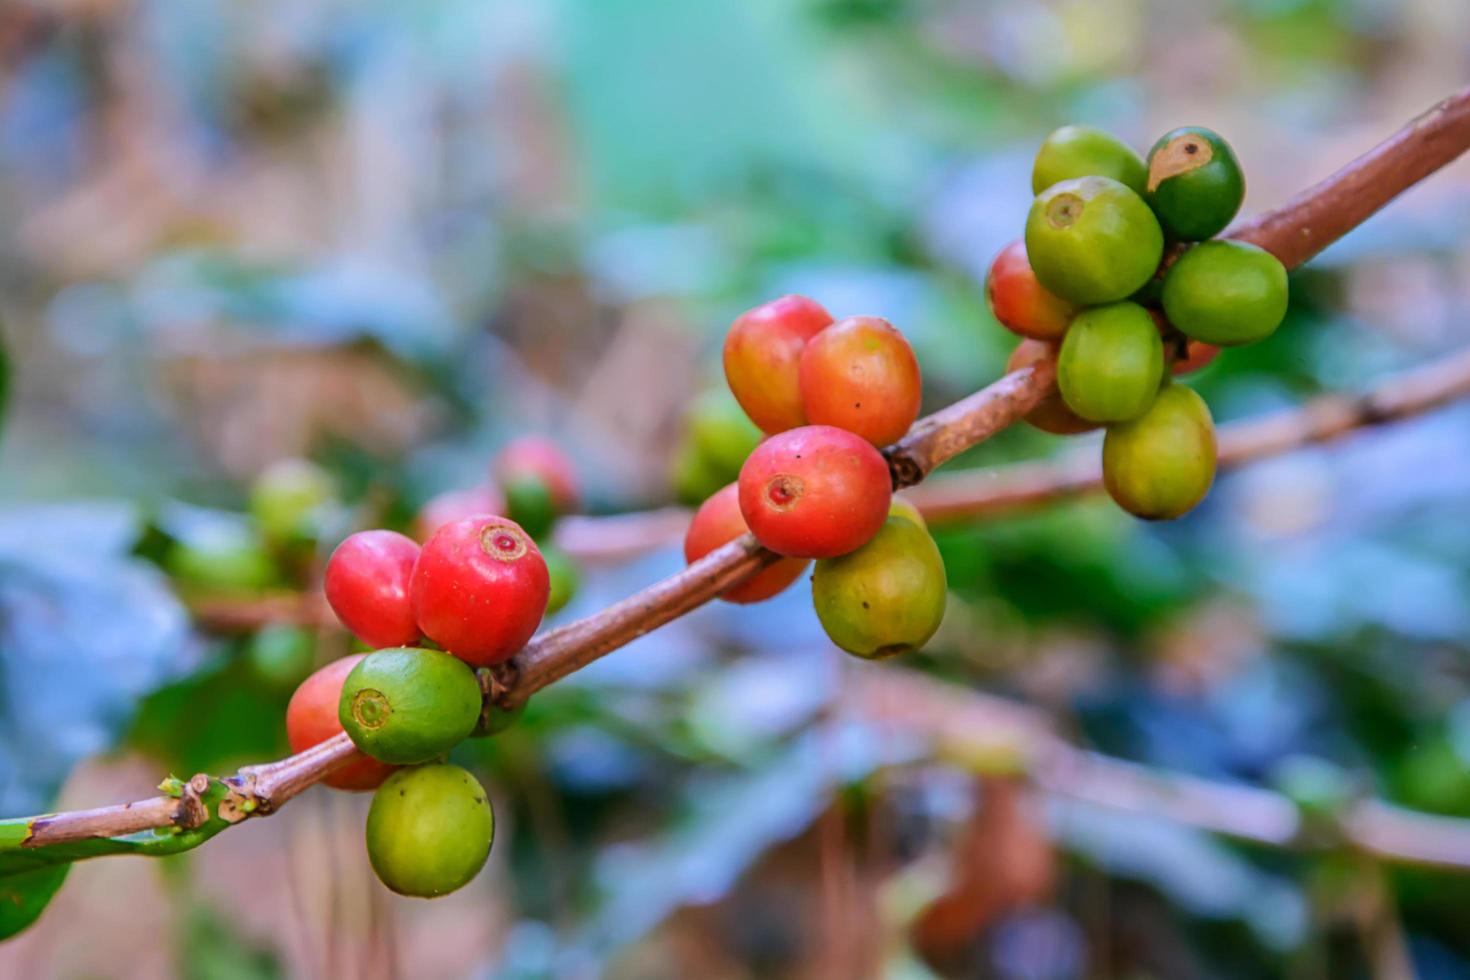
1194, 183
1111, 363
1160, 465
564, 577
429, 830
1226, 293
406, 705
1092, 240
902, 507
885, 598
1082, 151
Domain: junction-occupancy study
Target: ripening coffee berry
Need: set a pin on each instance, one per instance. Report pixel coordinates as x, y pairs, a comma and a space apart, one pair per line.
692, 476
480, 588
762, 352
456, 505
1111, 363
905, 510
429, 830
288, 496
529, 502
721, 432
1051, 414
1019, 302
1082, 151
717, 523
408, 705
563, 576
534, 456
1092, 240
1194, 183
860, 374
1226, 293
366, 583
815, 492
311, 718
885, 598
1160, 465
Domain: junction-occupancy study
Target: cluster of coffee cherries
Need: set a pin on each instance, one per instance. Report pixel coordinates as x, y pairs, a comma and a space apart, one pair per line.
1085, 286
468, 599
828, 395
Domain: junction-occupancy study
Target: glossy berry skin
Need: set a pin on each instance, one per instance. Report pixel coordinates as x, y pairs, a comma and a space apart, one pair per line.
456, 505
717, 523
885, 598
366, 583
311, 718
1082, 151
409, 705
479, 589
1195, 185
1019, 302
762, 354
815, 492
1092, 240
1052, 414
1161, 464
534, 456
1111, 363
860, 374
429, 830
1226, 293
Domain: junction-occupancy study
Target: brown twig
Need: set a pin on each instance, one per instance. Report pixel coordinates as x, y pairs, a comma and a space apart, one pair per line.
1294, 233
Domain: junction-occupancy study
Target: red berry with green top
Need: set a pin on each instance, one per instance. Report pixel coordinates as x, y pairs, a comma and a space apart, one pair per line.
311, 718
860, 374
479, 589
534, 457
762, 357
815, 492
1021, 304
717, 523
366, 584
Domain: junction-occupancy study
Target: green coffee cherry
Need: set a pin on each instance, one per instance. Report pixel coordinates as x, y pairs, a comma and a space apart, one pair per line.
288, 497
227, 564
406, 705
528, 502
1082, 151
721, 432
429, 830
885, 598
564, 578
694, 478
1160, 465
1111, 363
900, 507
1226, 293
1092, 240
1194, 183
282, 655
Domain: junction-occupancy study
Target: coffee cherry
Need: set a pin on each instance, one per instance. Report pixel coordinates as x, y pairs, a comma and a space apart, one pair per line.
311, 718
1019, 302
1160, 465
409, 705
693, 476
1092, 240
288, 497
860, 374
1051, 414
815, 492
529, 502
479, 589
885, 598
762, 351
456, 505
1082, 151
905, 510
1194, 183
225, 563
1111, 363
366, 583
717, 523
538, 457
720, 432
429, 830
1226, 293
1197, 357
563, 576
281, 655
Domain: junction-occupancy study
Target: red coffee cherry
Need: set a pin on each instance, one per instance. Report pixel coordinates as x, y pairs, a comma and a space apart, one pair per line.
366, 584
479, 589
815, 492
1186, 355
717, 523
311, 718
860, 374
1021, 304
762, 351
456, 505
534, 456
1052, 414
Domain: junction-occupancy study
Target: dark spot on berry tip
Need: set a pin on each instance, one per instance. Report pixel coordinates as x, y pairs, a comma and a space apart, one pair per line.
401, 793
865, 605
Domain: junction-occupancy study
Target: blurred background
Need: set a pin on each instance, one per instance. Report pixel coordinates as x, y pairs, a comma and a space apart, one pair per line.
391, 236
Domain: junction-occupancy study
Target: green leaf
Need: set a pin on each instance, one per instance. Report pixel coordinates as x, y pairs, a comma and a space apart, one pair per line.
23, 897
